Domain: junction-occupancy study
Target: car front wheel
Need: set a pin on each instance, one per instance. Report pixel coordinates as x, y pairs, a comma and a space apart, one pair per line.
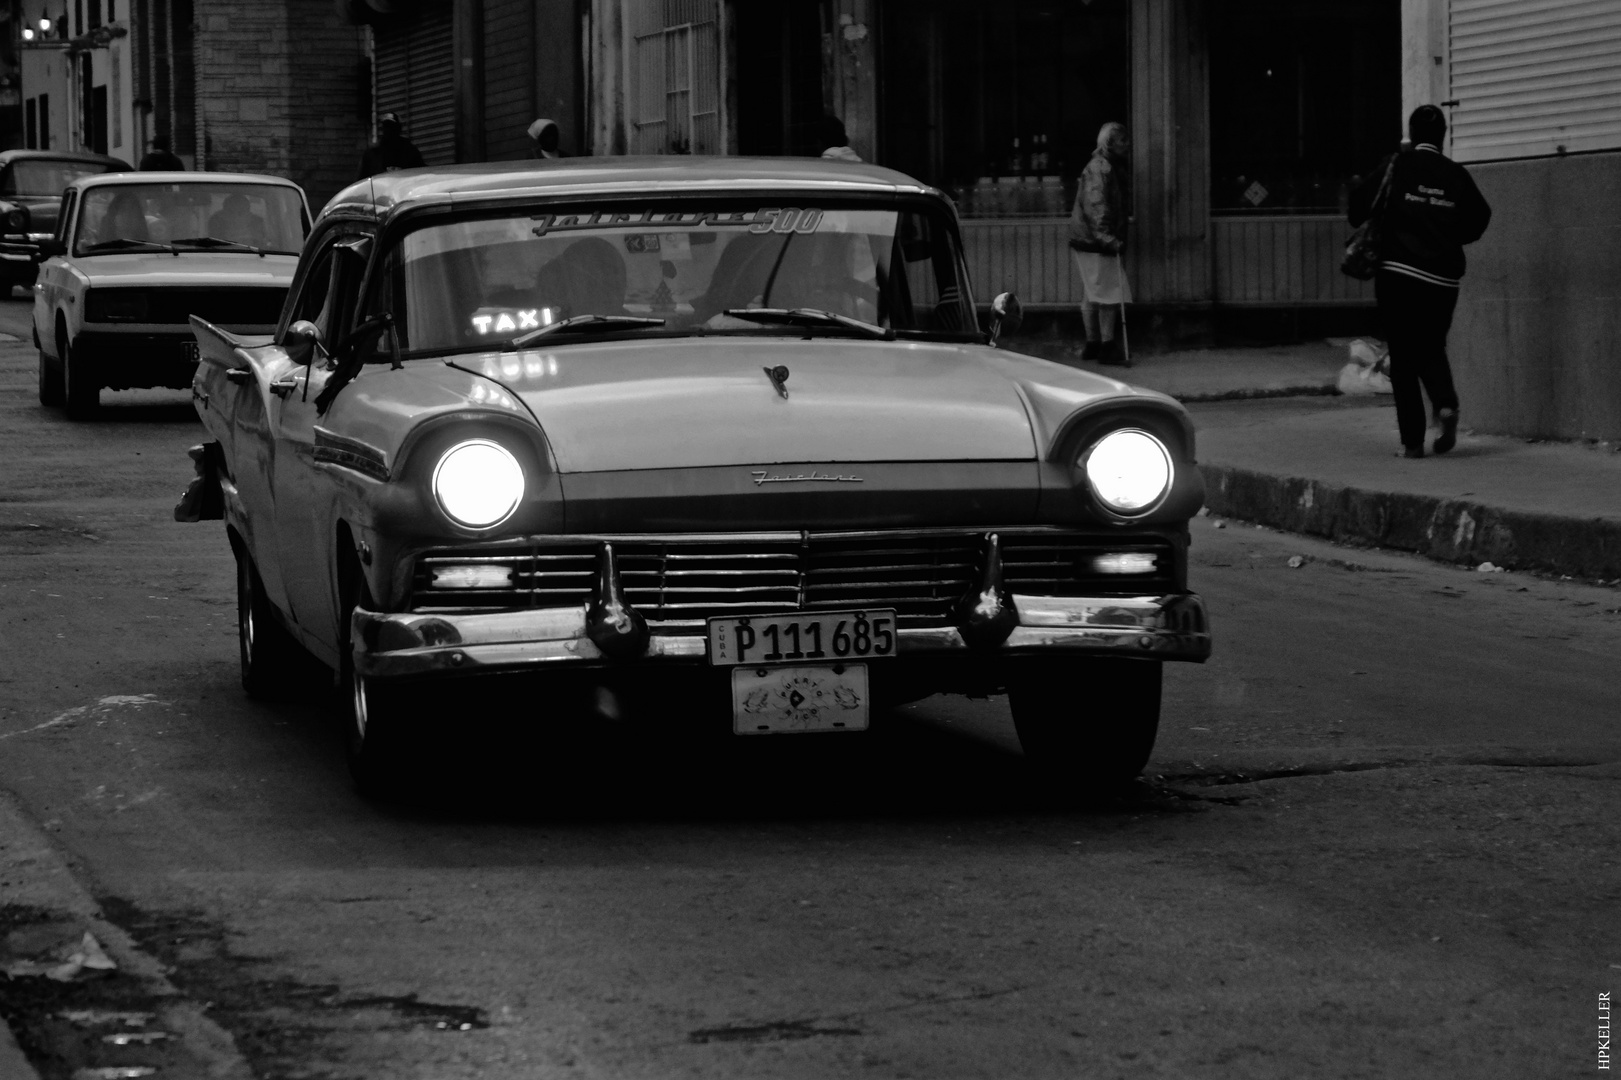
1086, 725
379, 723
80, 392
50, 381
266, 649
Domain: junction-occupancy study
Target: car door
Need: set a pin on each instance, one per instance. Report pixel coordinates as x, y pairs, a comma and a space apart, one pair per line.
305, 495
52, 279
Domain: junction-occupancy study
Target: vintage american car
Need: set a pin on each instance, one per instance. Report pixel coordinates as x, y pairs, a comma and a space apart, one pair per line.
137, 254
31, 183
727, 425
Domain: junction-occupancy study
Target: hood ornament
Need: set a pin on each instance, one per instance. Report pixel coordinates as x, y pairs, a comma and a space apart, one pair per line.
779, 378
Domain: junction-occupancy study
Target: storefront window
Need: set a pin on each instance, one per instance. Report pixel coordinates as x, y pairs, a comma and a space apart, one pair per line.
1000, 105
1302, 98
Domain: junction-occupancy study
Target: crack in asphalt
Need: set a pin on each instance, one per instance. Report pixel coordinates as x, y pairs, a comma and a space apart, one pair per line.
780, 1030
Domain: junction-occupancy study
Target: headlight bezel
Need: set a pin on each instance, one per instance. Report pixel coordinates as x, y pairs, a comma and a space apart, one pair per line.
465, 443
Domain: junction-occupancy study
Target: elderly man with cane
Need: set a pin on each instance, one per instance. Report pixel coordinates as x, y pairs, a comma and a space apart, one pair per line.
1097, 236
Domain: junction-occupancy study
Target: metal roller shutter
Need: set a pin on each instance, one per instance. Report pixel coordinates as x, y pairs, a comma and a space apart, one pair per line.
416, 78
1534, 77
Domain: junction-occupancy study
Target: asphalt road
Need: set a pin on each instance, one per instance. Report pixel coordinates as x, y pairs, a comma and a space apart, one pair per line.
1376, 838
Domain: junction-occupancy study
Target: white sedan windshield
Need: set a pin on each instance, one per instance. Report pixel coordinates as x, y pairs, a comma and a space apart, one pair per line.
192, 216
482, 282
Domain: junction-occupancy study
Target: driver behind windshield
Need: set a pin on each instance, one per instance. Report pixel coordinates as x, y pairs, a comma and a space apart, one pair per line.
125, 219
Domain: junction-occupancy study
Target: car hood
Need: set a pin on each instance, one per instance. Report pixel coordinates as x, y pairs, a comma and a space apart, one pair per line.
695, 402
188, 268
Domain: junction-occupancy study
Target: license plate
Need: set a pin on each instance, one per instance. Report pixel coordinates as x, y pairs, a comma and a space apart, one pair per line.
786, 639
188, 351
780, 700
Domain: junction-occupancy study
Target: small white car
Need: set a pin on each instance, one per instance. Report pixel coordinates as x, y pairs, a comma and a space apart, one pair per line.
136, 254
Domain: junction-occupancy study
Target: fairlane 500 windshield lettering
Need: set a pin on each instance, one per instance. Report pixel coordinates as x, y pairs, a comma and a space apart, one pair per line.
516, 431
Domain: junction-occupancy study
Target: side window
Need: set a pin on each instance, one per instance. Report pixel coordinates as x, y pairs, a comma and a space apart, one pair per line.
312, 294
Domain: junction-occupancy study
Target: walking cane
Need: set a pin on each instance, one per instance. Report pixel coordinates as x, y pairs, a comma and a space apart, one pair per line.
1125, 340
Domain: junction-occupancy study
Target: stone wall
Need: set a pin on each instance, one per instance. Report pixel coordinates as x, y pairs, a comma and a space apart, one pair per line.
280, 90
1536, 343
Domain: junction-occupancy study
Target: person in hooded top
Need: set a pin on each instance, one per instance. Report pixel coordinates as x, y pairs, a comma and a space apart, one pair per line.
833, 137
1097, 236
545, 135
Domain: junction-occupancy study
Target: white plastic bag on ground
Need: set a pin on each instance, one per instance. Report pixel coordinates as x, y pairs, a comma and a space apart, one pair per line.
1368, 371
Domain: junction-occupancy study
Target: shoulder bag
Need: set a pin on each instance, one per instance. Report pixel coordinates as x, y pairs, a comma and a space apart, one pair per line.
1362, 249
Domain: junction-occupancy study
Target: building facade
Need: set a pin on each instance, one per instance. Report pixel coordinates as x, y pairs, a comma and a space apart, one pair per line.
76, 90
1250, 123
1533, 92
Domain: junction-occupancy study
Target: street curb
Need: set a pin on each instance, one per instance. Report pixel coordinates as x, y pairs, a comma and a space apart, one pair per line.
1450, 530
36, 873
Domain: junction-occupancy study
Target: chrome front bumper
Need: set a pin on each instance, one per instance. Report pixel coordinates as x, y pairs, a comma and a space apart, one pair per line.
1170, 627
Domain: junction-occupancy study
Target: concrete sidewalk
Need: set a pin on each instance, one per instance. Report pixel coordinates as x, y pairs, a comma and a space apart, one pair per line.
1278, 449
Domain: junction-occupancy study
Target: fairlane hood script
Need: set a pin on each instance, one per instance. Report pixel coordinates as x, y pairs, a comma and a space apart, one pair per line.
763, 476
701, 402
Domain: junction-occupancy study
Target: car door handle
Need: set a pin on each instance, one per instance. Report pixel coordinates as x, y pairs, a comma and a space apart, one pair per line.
284, 385
240, 376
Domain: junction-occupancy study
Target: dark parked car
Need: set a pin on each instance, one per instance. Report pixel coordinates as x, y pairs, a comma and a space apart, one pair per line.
722, 435
31, 183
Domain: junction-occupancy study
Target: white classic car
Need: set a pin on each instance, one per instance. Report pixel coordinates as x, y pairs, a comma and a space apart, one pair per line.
136, 254
716, 441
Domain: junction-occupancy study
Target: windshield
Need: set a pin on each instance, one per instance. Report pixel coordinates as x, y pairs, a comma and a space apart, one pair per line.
481, 283
190, 216
44, 177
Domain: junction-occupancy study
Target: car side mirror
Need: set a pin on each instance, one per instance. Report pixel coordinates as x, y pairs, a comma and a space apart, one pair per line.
1007, 315
303, 342
50, 247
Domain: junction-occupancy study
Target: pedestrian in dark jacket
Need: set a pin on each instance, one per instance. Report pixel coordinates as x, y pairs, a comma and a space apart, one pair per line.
391, 151
1432, 209
160, 158
1097, 236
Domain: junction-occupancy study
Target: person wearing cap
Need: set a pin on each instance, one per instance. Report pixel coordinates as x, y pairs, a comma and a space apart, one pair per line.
392, 150
545, 135
1432, 209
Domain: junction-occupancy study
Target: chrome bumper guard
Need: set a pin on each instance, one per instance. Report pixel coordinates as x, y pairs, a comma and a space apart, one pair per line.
1170, 627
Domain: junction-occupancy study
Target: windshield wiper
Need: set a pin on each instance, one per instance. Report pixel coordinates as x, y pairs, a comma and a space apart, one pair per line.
235, 245
123, 242
581, 323
810, 317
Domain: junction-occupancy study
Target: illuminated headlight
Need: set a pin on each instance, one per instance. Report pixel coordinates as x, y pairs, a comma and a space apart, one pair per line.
478, 483
1128, 470
472, 577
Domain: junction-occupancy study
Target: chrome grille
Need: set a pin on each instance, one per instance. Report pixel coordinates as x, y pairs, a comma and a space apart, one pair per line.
674, 578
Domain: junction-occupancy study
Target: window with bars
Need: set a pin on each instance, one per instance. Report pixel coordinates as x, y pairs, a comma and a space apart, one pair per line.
676, 77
